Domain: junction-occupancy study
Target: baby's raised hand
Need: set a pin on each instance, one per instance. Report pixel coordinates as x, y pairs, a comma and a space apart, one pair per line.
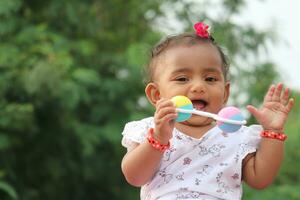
164, 119
276, 107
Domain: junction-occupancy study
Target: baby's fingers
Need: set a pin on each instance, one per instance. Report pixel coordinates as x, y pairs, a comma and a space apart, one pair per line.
270, 94
254, 111
285, 96
277, 92
165, 110
162, 103
290, 105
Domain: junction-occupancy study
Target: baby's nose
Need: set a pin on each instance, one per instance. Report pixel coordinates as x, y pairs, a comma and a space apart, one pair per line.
198, 86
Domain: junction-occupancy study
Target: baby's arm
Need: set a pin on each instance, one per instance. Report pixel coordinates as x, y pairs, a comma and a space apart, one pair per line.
260, 169
140, 164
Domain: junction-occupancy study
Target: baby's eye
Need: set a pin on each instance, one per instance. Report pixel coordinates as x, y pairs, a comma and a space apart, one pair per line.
211, 79
182, 79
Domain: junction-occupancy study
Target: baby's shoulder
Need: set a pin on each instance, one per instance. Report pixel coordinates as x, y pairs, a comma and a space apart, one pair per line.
136, 131
145, 122
249, 133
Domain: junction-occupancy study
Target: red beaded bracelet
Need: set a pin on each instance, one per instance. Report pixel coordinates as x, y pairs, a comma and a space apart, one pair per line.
155, 143
273, 135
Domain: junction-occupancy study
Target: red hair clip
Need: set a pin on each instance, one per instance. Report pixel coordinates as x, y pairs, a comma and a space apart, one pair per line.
201, 30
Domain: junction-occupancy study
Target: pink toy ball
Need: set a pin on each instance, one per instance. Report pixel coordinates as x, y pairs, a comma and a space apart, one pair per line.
231, 113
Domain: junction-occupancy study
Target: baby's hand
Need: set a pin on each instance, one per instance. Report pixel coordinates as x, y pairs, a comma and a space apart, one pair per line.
275, 109
164, 119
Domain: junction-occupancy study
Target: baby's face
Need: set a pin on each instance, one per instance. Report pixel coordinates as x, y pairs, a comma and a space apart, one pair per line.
196, 72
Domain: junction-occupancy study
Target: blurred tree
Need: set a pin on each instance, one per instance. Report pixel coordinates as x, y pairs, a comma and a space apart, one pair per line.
70, 79
65, 79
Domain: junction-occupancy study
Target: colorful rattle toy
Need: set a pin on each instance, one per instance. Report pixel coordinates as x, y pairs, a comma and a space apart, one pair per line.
229, 119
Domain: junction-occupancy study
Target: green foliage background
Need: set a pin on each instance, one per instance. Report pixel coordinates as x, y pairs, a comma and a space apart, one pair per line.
70, 78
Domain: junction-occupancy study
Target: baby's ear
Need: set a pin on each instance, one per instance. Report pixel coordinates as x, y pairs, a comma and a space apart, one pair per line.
152, 93
226, 92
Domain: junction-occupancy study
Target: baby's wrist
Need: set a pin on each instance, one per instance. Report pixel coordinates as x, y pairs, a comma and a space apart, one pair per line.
274, 130
156, 143
161, 139
274, 134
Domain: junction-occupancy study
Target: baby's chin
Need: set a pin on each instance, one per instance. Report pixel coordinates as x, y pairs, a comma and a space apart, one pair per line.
198, 121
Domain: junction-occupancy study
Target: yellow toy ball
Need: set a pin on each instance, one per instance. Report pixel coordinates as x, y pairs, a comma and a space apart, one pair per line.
184, 103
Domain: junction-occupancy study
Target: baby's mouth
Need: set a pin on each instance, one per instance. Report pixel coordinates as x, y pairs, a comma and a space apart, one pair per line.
199, 104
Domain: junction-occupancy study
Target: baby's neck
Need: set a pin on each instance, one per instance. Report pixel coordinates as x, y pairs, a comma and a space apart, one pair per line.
194, 131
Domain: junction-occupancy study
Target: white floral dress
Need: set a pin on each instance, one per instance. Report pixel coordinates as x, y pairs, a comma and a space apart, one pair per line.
208, 168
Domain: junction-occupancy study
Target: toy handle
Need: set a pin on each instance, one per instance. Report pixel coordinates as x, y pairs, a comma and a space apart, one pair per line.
211, 115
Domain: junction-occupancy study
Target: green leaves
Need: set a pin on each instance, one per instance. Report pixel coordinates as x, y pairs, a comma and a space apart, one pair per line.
8, 7
17, 117
86, 77
8, 189
5, 142
137, 54
64, 96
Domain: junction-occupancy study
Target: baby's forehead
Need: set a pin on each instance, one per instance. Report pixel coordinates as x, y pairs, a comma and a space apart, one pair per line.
163, 48
180, 52
197, 55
